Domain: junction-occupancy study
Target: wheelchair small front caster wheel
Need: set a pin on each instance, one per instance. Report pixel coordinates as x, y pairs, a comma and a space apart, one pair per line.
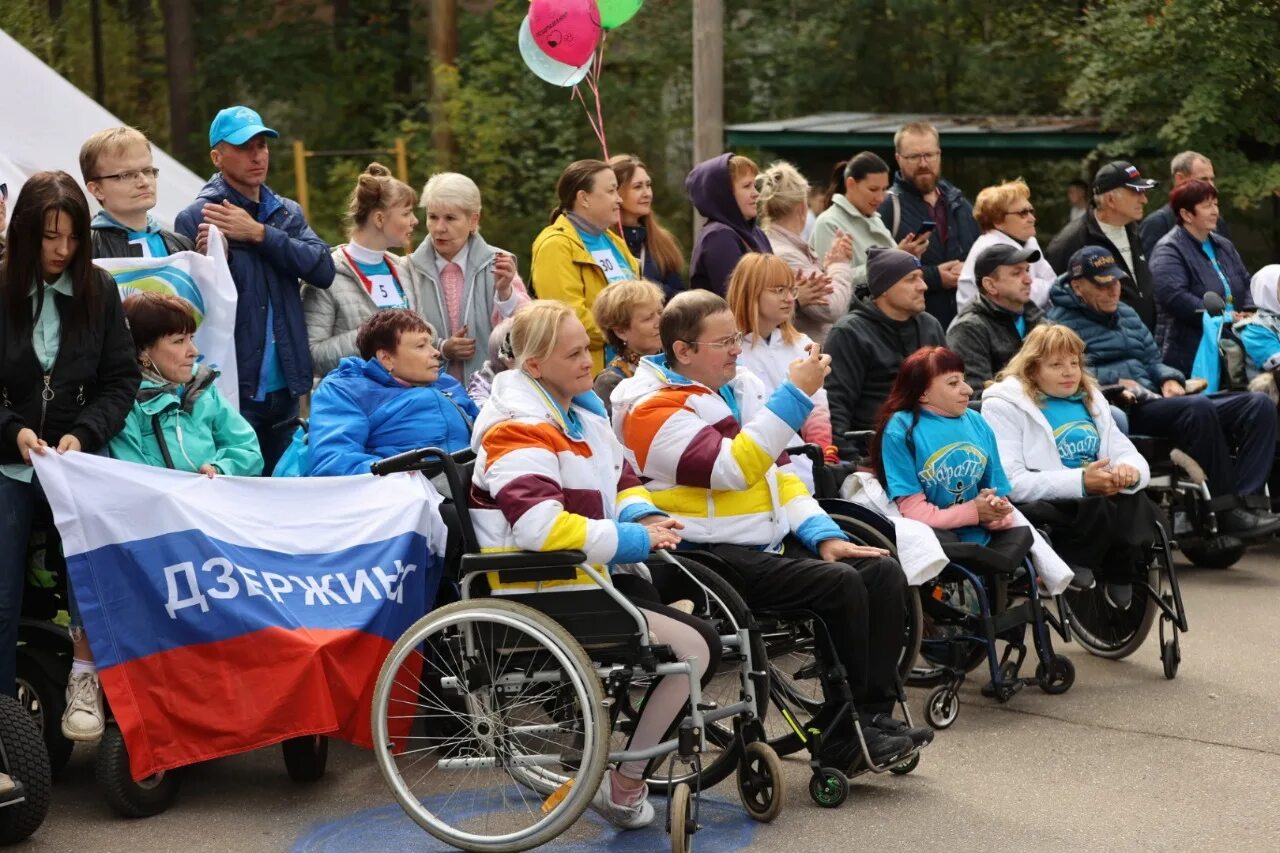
1171, 656
1058, 677
760, 782
941, 707
905, 767
828, 788
681, 816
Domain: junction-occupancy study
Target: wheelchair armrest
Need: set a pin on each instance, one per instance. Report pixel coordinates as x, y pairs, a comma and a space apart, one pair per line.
526, 565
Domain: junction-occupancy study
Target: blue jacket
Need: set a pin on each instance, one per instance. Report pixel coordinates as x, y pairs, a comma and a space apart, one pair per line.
360, 414
268, 270
672, 282
1118, 346
962, 231
1184, 274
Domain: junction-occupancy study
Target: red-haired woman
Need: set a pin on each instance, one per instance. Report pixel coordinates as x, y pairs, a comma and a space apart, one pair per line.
936, 457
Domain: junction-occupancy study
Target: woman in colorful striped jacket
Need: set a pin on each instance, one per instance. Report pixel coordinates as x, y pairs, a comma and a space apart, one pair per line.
550, 476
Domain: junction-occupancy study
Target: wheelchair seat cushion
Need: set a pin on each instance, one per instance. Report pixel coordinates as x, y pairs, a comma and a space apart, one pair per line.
1002, 556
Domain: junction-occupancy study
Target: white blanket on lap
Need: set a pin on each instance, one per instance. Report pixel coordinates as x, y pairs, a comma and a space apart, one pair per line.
919, 551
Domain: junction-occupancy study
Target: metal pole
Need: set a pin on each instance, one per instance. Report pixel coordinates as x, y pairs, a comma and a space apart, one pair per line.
300, 175
708, 82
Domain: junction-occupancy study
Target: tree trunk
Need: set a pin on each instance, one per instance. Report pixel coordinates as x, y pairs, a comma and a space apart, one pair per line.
444, 51
180, 65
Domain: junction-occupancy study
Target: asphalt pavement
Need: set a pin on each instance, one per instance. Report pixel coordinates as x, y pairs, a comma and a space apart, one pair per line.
1125, 760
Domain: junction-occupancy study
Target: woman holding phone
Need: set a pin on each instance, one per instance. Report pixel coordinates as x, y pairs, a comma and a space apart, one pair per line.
472, 286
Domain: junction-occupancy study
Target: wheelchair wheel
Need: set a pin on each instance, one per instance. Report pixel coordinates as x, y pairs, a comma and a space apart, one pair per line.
760, 782
305, 757
722, 607
1109, 632
1058, 677
681, 819
28, 763
941, 707
829, 788
531, 744
795, 686
127, 798
1221, 552
42, 690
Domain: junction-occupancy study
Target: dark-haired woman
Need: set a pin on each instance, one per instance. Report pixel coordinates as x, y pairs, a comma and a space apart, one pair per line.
860, 186
660, 256
1188, 262
392, 398
367, 278
936, 457
67, 381
577, 256
179, 419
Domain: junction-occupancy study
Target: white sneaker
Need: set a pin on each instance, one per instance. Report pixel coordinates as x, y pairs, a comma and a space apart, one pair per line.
83, 719
7, 785
623, 817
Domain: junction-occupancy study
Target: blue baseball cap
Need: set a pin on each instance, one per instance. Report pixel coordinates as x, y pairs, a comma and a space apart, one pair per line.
237, 125
1097, 265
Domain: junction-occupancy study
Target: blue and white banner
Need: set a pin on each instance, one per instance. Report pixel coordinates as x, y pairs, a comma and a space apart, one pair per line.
204, 281
231, 613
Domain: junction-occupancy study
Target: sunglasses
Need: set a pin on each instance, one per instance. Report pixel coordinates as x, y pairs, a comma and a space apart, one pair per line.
4, 191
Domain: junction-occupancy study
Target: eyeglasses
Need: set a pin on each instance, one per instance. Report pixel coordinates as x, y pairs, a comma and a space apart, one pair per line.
130, 177
783, 290
727, 343
1025, 213
922, 157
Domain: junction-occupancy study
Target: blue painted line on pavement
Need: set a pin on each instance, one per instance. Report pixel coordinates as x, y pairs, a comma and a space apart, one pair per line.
725, 828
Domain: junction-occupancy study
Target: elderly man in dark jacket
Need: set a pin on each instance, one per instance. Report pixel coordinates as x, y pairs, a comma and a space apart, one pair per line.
1121, 350
869, 343
1119, 198
991, 328
271, 247
919, 194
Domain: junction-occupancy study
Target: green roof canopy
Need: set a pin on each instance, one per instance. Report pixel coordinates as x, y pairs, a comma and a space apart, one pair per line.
972, 134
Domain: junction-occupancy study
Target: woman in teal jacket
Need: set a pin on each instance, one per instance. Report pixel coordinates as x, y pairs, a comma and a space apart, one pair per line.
178, 419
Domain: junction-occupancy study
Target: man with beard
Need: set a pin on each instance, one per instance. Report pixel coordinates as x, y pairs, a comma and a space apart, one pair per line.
919, 194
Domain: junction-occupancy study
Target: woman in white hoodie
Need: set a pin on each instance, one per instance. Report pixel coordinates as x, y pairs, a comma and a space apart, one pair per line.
1067, 461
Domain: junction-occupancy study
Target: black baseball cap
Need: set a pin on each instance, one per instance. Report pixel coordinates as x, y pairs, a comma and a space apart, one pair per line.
1120, 173
1001, 255
1097, 265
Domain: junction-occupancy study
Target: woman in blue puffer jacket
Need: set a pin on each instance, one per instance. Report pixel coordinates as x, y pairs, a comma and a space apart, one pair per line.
392, 398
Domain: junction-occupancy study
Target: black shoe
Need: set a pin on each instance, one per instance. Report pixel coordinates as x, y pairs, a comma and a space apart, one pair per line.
1246, 524
846, 753
919, 735
1083, 578
1118, 595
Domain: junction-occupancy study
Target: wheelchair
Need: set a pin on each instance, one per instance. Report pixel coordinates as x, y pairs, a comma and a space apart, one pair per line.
979, 599
43, 668
24, 758
494, 717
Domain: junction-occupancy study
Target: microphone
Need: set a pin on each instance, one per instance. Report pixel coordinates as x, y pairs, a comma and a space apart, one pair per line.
1213, 304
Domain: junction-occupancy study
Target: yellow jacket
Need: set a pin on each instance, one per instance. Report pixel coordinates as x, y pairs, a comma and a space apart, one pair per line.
564, 270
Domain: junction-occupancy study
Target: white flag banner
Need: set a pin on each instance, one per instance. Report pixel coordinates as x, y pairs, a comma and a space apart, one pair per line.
204, 281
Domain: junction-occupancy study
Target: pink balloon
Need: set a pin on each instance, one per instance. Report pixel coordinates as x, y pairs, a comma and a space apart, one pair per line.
566, 30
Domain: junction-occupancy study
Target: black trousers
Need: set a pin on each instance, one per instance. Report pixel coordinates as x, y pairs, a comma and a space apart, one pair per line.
861, 603
1104, 533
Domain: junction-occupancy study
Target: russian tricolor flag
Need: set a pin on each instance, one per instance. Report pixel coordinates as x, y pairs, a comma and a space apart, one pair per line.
233, 613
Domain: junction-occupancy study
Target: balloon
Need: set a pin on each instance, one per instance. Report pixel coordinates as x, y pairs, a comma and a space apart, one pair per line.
566, 30
615, 13
544, 66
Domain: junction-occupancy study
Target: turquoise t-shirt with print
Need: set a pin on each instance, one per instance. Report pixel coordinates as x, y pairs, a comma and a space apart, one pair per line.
1073, 431
949, 459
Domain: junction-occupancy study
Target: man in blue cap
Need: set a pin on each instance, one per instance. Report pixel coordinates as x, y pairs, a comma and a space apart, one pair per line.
1122, 351
271, 248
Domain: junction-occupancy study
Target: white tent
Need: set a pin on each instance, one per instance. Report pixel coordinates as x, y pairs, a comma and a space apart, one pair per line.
44, 119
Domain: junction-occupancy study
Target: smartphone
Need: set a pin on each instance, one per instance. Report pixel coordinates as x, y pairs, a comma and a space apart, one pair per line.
925, 227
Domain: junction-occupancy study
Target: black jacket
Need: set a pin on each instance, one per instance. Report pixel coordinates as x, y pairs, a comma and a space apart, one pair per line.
962, 232
114, 243
866, 349
93, 381
986, 337
1137, 291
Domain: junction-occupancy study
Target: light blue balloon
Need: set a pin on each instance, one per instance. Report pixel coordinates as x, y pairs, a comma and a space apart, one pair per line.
557, 73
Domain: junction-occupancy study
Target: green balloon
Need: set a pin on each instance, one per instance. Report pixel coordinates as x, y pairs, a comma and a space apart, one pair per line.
615, 13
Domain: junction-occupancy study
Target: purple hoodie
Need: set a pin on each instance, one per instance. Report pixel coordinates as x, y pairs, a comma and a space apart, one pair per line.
727, 236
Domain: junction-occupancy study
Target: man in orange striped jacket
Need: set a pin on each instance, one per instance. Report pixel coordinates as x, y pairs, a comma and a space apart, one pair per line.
710, 445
